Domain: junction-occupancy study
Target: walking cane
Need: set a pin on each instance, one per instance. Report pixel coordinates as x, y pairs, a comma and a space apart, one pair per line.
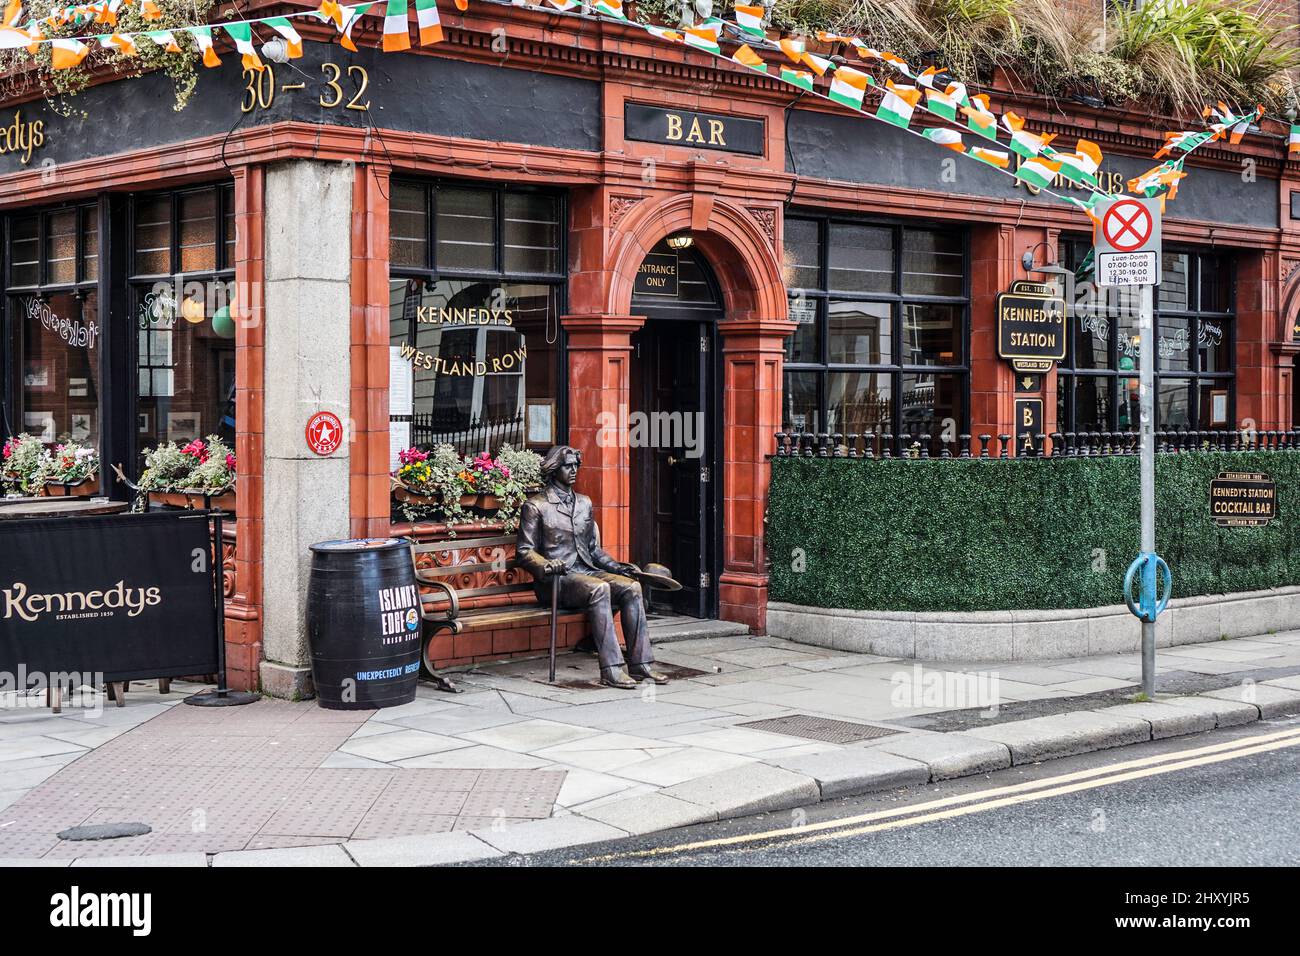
555, 603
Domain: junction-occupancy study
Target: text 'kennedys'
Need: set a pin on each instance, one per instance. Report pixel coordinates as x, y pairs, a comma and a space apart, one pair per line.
74, 909
31, 606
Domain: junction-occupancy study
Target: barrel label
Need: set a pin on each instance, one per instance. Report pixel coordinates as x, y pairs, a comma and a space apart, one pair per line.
399, 609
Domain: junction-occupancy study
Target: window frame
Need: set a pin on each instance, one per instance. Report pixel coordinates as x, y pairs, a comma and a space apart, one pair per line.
897, 300
1068, 374
558, 280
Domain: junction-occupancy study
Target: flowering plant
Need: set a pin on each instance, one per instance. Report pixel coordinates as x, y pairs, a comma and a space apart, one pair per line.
22, 463
70, 464
447, 476
204, 465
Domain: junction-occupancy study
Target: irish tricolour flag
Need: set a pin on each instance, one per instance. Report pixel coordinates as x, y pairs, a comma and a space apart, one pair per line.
1293, 141
745, 56
1025, 143
899, 104
293, 41
947, 102
750, 19
1081, 165
945, 137
67, 53
397, 31
1038, 171
701, 39
242, 34
994, 157
800, 78
979, 118
203, 39
611, 8
849, 86
1185, 141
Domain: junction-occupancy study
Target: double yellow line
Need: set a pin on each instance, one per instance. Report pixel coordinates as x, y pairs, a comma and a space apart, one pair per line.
980, 801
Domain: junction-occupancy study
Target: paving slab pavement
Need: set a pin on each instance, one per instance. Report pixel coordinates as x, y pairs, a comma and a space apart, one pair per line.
516, 765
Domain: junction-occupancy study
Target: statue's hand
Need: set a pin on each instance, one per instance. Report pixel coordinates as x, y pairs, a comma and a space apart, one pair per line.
629, 569
556, 569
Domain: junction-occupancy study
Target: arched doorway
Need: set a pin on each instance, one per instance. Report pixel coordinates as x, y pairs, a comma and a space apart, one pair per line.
675, 425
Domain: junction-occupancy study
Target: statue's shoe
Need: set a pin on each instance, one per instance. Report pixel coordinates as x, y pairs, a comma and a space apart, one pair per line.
646, 672
617, 678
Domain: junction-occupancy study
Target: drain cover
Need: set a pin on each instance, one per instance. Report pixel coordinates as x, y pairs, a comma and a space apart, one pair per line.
819, 728
105, 831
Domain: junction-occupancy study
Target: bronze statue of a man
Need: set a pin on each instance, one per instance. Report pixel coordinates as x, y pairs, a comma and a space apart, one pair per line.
557, 538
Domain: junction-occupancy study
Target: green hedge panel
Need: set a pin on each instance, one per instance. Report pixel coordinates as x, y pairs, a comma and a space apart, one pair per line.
972, 535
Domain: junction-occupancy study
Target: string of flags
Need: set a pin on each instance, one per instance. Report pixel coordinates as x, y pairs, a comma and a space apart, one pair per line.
959, 111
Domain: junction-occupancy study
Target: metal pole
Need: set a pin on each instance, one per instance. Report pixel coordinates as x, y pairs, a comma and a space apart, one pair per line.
555, 605
1146, 411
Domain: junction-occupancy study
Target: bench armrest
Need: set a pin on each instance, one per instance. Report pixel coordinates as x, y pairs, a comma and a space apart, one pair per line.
453, 602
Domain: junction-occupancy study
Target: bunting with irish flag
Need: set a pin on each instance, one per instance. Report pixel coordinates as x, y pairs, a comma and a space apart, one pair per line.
898, 104
426, 16
1293, 141
1023, 142
351, 16
949, 138
994, 157
745, 56
800, 78
979, 118
1038, 171
203, 40
1080, 167
946, 103
67, 52
242, 34
849, 86
293, 41
611, 8
750, 19
397, 31
702, 39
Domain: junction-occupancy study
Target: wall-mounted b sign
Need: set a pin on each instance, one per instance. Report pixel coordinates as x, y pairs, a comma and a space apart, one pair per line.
324, 433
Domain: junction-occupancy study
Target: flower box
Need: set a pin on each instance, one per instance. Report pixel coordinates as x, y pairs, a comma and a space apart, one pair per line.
85, 488
223, 499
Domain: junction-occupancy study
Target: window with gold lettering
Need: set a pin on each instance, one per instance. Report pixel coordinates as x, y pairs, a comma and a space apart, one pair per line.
476, 280
183, 299
880, 340
1097, 384
52, 303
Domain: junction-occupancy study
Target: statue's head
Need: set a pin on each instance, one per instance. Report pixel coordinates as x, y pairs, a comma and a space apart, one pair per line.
561, 464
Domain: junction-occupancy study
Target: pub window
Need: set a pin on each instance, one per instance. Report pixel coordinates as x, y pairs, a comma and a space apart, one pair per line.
52, 310
880, 339
476, 282
1097, 384
182, 293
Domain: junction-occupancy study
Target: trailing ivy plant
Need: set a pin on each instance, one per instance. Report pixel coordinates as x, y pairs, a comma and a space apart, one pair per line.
22, 71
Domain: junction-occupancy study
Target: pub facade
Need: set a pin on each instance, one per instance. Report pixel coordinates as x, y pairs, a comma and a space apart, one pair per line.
533, 247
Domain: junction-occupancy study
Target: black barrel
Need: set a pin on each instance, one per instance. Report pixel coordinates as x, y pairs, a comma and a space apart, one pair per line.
363, 623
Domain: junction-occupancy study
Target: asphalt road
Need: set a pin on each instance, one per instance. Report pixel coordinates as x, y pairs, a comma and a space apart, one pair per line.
1228, 798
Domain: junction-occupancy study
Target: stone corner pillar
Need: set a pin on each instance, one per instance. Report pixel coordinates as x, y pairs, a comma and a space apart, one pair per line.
305, 497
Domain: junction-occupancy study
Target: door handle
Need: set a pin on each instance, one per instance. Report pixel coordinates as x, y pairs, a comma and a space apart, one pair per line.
672, 461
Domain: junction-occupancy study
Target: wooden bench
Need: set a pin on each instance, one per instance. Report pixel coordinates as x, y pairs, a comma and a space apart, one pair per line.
478, 583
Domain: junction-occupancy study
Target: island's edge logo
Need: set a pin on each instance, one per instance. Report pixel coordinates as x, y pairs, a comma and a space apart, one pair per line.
22, 136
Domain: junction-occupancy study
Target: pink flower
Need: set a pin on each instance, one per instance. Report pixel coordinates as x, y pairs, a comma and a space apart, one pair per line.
196, 449
484, 462
505, 472
410, 456
230, 462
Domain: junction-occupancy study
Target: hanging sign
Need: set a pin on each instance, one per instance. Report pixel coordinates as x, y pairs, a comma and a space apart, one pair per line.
324, 433
1127, 241
1240, 499
1031, 326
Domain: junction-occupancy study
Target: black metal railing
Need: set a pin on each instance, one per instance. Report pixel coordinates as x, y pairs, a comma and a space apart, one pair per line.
874, 446
469, 438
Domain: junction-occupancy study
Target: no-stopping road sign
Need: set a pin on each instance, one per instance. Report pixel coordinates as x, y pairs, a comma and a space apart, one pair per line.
1127, 241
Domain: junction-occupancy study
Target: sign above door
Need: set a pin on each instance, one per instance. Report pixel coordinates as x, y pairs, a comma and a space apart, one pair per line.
671, 127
